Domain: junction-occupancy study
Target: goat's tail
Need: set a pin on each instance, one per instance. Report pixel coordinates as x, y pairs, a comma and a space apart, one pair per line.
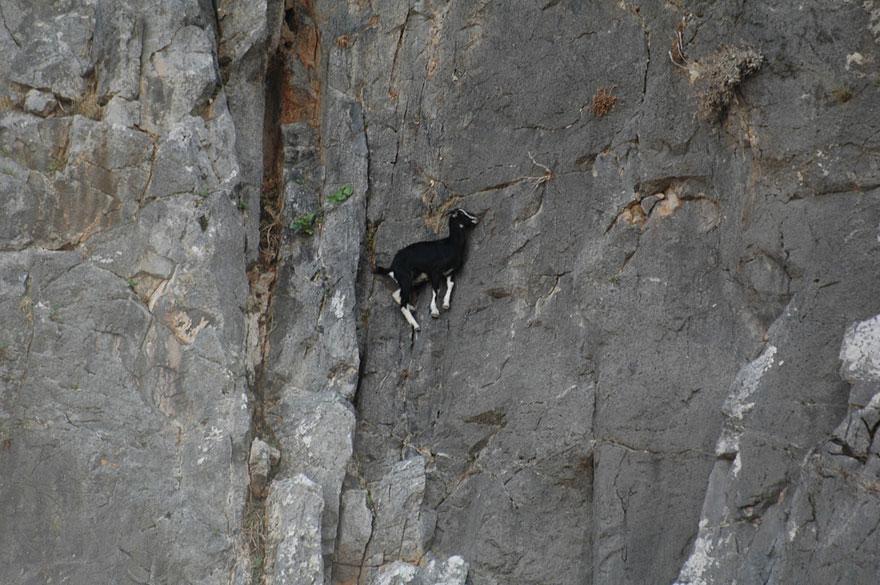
380, 270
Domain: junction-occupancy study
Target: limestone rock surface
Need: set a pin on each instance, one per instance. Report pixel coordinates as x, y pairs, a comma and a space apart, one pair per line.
661, 363
294, 509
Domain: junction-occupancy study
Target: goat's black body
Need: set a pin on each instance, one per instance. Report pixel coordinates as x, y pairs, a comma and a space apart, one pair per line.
432, 261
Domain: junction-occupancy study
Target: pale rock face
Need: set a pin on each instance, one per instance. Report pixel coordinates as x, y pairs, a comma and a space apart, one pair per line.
661, 359
122, 112
260, 462
451, 572
293, 545
40, 103
122, 315
860, 351
355, 530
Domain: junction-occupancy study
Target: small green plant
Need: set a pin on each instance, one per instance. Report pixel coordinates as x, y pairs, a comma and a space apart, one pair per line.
304, 223
341, 195
132, 283
257, 569
203, 222
242, 205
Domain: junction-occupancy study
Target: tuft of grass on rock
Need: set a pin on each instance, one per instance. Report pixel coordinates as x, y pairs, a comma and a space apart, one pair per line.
341, 195
603, 101
842, 94
89, 107
718, 76
304, 223
7, 103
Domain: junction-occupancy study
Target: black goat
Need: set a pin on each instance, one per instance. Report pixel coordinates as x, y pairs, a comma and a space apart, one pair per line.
432, 261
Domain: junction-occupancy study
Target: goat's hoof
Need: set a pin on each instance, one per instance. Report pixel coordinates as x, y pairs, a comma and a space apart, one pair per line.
445, 306
417, 328
436, 315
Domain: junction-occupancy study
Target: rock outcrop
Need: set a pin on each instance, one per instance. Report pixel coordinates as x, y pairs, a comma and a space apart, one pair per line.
662, 359
124, 409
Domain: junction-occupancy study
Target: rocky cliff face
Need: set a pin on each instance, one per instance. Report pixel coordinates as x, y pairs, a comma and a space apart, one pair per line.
661, 363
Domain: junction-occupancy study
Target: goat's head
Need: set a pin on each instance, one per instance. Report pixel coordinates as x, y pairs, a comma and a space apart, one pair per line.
459, 218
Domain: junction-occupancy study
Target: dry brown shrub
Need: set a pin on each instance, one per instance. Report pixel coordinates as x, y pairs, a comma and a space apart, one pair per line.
435, 219
842, 94
271, 220
89, 107
603, 101
718, 76
6, 103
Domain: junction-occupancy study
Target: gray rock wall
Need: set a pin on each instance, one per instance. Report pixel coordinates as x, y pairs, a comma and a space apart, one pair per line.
124, 406
661, 360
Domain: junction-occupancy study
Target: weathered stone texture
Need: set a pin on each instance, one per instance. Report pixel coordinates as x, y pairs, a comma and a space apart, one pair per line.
50, 45
261, 459
124, 409
401, 527
451, 572
661, 360
294, 511
626, 268
117, 50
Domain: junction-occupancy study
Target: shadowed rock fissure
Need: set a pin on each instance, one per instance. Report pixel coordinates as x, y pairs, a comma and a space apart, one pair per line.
263, 276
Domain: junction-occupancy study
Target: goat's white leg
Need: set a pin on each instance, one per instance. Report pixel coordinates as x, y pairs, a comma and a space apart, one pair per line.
406, 313
396, 296
448, 296
435, 312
